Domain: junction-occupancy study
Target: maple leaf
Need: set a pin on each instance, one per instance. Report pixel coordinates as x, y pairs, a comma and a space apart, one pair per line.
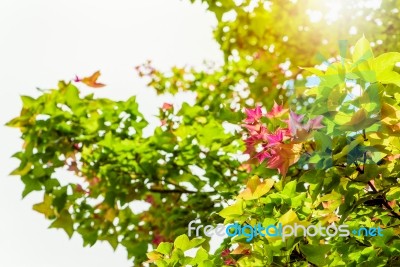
276, 111
255, 188
294, 122
275, 138
167, 106
253, 129
389, 114
263, 133
230, 262
253, 115
329, 218
283, 156
315, 124
91, 81
225, 252
242, 249
302, 132
355, 122
261, 156
250, 144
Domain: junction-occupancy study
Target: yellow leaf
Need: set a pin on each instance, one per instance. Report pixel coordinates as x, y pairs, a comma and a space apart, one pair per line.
45, 207
289, 217
255, 188
263, 188
314, 71
357, 117
390, 114
241, 249
153, 256
253, 183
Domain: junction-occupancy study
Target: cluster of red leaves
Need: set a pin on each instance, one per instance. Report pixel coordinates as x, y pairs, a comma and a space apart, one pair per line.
280, 146
227, 259
227, 254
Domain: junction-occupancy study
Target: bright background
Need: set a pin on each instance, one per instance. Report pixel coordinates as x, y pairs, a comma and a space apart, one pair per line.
43, 41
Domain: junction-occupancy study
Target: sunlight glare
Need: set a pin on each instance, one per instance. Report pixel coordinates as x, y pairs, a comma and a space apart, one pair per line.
335, 9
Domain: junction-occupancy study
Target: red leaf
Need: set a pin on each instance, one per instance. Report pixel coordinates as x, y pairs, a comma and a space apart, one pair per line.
253, 115
276, 111
283, 156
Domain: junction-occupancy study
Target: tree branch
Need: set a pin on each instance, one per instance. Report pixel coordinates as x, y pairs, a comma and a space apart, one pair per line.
170, 191
385, 202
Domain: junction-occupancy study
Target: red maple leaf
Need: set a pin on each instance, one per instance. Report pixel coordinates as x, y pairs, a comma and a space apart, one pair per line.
283, 156
253, 115
276, 111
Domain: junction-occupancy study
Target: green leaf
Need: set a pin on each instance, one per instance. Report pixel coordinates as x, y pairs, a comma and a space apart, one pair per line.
201, 256
89, 235
112, 240
27, 101
45, 206
323, 141
164, 248
22, 170
394, 193
211, 133
383, 66
362, 50
195, 242
316, 253
182, 242
65, 222
232, 211
72, 97
290, 189
389, 77
161, 263
354, 122
30, 185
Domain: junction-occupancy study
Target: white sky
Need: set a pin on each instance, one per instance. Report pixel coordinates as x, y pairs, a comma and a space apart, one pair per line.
43, 41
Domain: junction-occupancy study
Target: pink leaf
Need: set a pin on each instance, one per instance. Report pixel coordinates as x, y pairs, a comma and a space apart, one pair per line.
276, 111
253, 115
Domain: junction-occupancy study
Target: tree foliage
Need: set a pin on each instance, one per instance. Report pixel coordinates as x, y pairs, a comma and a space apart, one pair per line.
321, 132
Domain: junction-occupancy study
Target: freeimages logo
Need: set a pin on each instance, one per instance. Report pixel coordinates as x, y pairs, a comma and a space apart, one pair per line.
283, 231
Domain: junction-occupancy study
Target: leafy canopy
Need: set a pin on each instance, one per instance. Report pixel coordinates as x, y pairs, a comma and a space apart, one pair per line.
321, 134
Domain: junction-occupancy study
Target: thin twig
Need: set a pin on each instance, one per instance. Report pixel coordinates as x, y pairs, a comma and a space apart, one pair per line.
168, 191
385, 202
